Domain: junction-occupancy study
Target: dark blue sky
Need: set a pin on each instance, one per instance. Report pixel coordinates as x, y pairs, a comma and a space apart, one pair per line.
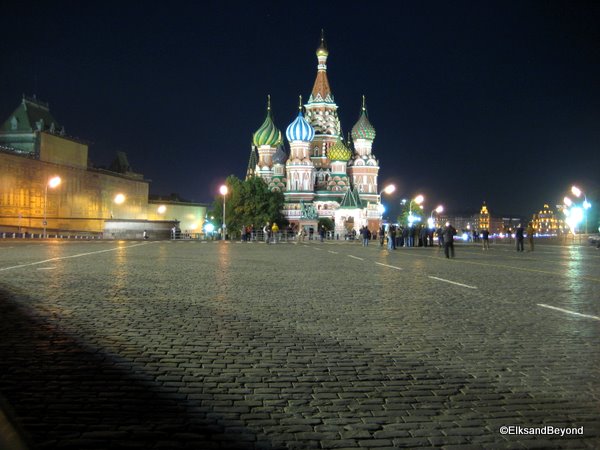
472, 101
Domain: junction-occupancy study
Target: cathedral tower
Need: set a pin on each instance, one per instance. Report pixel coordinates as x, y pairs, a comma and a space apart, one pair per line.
364, 167
321, 113
266, 139
299, 167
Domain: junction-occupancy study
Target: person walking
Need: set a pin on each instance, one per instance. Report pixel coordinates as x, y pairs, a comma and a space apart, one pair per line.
364, 231
530, 233
275, 232
485, 238
440, 236
519, 236
381, 235
449, 233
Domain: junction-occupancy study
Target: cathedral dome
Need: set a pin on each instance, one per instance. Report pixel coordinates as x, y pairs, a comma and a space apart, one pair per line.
322, 49
279, 157
363, 129
339, 152
300, 130
268, 133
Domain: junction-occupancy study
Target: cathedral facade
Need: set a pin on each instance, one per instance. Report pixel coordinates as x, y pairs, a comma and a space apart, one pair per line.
324, 174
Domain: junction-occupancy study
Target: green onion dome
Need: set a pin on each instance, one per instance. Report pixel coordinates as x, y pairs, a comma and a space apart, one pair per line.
363, 128
339, 152
268, 133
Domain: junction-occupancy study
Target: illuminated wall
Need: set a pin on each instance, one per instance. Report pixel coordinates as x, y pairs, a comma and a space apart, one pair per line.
80, 203
191, 216
58, 150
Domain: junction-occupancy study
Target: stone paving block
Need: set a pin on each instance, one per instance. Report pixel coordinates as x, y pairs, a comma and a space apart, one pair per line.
403, 362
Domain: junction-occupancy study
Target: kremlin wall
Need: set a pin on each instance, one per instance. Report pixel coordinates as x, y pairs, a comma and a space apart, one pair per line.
34, 148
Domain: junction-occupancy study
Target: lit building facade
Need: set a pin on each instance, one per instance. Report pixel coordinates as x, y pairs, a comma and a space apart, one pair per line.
34, 148
324, 175
483, 221
548, 223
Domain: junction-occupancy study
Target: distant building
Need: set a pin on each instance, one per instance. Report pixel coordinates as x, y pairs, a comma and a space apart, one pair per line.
35, 148
483, 221
547, 222
480, 221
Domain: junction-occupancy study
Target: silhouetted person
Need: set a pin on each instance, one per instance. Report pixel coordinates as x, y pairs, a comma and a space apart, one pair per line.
519, 235
485, 237
449, 233
530, 233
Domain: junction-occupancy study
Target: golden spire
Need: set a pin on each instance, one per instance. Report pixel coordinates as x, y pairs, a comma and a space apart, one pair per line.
268, 102
300, 103
364, 108
322, 49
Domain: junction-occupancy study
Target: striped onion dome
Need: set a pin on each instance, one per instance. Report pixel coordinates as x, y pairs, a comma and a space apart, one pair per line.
268, 133
363, 129
339, 152
300, 130
279, 157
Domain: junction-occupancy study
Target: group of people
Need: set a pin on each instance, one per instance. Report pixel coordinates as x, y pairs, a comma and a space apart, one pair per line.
272, 233
520, 237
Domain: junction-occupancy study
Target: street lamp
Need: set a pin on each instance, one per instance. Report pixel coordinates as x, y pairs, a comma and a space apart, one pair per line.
586, 205
437, 210
119, 199
223, 190
52, 183
418, 200
388, 189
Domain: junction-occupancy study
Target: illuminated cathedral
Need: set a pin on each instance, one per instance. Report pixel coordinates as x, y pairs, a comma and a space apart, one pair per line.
323, 175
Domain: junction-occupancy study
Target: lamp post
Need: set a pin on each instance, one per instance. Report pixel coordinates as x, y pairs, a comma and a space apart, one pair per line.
390, 188
418, 200
586, 205
52, 183
437, 210
223, 190
118, 200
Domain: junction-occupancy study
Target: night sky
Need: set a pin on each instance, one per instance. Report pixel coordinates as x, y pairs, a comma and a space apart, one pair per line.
471, 101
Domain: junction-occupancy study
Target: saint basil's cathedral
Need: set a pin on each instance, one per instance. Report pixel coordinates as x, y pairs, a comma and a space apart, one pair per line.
324, 175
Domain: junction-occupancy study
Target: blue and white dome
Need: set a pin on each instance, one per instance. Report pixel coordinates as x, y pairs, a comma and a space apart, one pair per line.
300, 130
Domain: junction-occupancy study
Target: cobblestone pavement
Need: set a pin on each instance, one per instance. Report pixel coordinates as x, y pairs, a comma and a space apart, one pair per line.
311, 345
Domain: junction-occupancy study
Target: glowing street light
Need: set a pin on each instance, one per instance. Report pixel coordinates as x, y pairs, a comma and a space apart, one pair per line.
119, 199
437, 210
52, 183
417, 200
223, 190
388, 189
161, 209
586, 205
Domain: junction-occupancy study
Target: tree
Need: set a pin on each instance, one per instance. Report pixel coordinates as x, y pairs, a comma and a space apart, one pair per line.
417, 214
249, 202
326, 223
